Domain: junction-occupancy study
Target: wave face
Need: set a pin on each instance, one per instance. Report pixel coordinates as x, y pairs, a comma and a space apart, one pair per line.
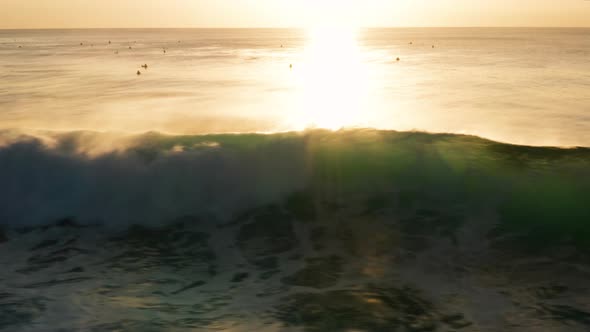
316, 231
152, 179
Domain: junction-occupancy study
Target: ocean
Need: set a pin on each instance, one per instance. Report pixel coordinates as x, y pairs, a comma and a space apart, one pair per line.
287, 180
522, 86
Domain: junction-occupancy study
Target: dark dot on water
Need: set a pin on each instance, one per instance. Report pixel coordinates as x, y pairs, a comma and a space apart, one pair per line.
138, 72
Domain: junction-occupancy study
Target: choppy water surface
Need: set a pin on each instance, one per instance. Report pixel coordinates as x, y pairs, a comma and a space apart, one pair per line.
525, 86
318, 231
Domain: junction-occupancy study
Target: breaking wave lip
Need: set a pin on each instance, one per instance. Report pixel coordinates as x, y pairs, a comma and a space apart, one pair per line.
151, 178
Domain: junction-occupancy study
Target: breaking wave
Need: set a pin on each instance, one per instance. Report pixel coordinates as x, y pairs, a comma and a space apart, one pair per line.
151, 178
315, 231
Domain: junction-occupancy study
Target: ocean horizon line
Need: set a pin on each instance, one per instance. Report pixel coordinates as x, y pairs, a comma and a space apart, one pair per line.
295, 28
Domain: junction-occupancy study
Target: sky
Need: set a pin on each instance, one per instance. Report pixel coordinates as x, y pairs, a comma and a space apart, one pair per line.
22, 14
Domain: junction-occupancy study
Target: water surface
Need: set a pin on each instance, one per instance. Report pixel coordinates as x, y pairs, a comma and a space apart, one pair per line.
525, 86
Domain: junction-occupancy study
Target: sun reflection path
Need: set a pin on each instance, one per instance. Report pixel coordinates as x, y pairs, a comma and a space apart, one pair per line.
332, 81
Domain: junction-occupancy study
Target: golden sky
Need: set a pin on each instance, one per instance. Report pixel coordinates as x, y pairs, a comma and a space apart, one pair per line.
290, 13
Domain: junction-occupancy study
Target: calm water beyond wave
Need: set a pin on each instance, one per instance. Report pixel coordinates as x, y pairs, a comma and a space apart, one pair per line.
524, 86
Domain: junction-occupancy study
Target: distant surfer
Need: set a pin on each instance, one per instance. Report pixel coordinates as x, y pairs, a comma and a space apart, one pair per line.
138, 73
397, 59
291, 66
145, 66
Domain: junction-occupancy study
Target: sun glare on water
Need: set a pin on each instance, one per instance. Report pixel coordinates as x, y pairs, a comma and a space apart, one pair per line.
332, 80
